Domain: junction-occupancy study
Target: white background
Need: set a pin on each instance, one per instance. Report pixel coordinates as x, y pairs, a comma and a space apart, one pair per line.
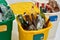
15, 25
14, 1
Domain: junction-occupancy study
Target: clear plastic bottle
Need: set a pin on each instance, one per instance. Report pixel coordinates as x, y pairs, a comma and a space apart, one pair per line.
3, 8
0, 17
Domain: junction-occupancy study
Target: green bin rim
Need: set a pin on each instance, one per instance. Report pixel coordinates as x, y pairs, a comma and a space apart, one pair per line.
3, 2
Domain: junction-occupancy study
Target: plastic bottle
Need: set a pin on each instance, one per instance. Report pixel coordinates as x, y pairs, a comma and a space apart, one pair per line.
46, 23
43, 8
23, 22
33, 20
41, 13
28, 20
0, 17
3, 8
39, 21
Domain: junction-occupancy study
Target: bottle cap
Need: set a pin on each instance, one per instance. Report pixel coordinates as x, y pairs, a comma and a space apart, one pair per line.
43, 5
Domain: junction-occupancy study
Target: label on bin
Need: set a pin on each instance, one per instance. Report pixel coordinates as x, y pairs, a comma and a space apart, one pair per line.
38, 37
3, 28
53, 18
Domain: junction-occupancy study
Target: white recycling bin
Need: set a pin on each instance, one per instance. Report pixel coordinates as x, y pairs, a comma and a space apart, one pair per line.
54, 18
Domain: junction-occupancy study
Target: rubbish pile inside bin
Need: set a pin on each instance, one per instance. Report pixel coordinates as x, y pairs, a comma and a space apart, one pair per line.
33, 21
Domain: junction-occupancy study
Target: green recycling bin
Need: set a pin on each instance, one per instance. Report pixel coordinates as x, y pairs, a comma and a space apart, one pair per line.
6, 26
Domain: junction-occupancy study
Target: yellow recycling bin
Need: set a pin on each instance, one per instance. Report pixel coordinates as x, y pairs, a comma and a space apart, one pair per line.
33, 35
20, 8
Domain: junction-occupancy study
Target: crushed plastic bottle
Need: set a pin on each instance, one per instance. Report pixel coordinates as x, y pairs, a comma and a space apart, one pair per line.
0, 17
40, 22
3, 8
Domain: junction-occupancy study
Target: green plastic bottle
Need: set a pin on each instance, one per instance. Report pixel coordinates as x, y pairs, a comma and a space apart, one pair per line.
41, 13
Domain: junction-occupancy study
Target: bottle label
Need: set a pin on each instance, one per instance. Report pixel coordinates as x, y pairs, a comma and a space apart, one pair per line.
38, 37
53, 18
3, 28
